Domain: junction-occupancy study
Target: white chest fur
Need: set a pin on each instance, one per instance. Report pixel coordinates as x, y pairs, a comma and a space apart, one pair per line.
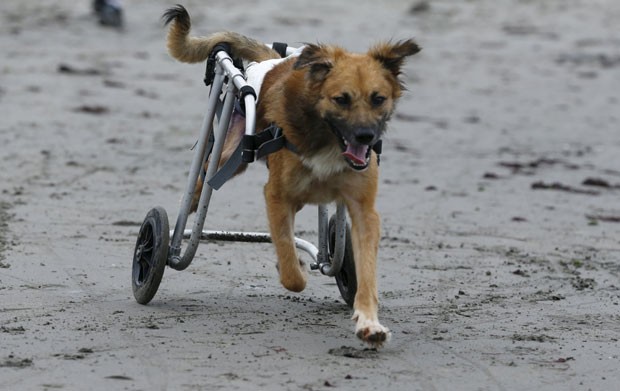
326, 163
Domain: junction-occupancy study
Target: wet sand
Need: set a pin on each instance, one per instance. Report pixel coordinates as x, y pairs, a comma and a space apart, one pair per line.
499, 198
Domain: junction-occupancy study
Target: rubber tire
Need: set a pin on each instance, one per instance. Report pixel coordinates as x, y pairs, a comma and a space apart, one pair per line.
346, 278
150, 255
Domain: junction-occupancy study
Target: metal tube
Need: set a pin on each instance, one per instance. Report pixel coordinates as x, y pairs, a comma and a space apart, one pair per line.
178, 263
323, 255
196, 167
224, 60
251, 237
332, 268
239, 81
250, 115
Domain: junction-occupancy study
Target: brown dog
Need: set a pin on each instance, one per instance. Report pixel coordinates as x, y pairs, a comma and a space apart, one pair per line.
333, 106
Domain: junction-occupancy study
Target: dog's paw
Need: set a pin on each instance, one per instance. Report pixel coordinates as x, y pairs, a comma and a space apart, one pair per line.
371, 331
293, 278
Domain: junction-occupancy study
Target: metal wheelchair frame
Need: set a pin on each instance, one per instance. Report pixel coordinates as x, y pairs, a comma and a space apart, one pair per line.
157, 246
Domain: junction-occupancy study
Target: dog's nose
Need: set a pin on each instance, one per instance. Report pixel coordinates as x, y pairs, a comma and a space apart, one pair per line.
364, 136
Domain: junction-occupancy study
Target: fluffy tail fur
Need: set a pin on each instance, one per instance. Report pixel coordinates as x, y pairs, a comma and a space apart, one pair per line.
197, 49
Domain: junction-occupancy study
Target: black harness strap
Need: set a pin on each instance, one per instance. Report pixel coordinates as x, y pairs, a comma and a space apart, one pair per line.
210, 69
271, 140
249, 149
377, 147
280, 47
227, 170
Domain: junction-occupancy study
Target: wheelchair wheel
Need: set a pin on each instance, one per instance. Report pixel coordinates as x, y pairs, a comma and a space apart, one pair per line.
345, 278
150, 255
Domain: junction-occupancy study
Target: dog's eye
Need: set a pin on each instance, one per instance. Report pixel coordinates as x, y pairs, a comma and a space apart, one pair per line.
377, 100
343, 100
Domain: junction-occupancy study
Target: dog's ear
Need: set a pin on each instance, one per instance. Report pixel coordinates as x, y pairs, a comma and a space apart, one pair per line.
315, 58
392, 55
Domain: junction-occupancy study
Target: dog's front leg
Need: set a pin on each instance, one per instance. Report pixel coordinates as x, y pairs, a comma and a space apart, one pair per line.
281, 215
365, 235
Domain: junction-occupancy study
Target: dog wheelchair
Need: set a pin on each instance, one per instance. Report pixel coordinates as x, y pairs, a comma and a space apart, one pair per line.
157, 246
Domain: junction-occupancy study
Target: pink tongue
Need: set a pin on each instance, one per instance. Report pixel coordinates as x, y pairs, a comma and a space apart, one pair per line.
356, 153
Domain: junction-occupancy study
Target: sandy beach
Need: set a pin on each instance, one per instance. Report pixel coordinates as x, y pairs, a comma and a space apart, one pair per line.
499, 263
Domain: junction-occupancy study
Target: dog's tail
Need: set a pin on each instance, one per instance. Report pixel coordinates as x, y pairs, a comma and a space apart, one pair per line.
197, 49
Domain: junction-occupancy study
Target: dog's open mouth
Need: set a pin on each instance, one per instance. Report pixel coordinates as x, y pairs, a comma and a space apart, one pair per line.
357, 155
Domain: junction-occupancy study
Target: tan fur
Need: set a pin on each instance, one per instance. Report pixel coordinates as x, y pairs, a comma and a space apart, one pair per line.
197, 49
325, 88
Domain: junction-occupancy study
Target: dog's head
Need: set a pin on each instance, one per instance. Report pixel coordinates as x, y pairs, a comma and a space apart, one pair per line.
355, 94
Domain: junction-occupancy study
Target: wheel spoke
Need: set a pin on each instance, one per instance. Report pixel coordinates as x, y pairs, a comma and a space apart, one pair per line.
144, 255
147, 235
147, 260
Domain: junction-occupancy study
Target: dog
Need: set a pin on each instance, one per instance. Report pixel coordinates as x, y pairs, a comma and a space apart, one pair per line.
333, 106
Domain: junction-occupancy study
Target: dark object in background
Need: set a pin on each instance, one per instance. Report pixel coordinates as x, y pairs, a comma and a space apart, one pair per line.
420, 7
109, 12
